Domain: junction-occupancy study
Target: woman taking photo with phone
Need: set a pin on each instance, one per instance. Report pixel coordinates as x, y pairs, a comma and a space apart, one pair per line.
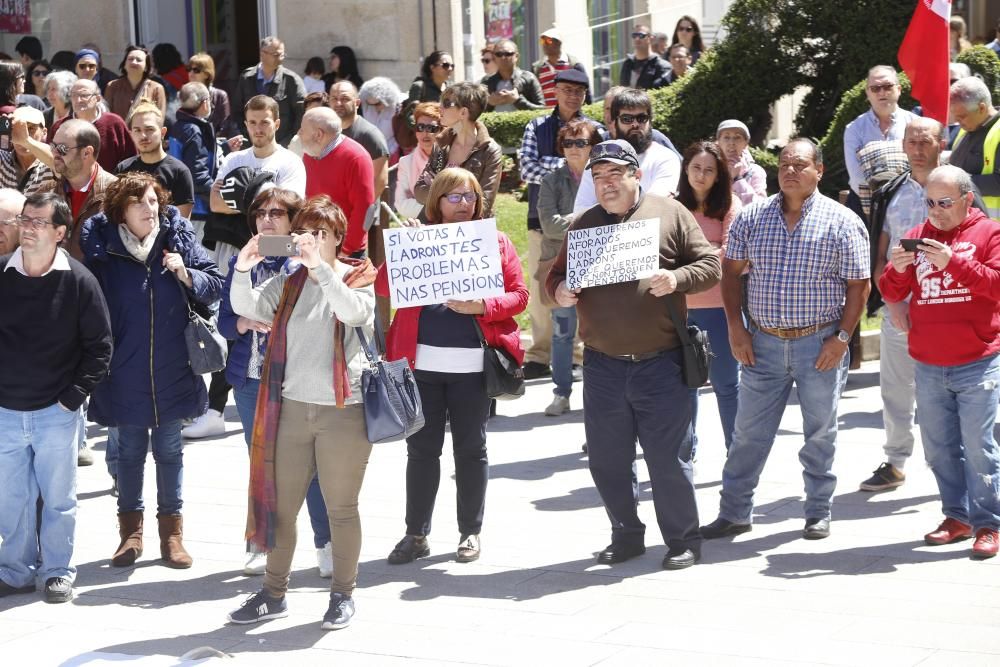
310, 418
442, 344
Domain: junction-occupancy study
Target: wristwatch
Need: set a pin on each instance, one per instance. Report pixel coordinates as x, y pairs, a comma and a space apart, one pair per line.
843, 336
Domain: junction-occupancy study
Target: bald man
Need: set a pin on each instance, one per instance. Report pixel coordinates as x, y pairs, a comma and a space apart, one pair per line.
11, 203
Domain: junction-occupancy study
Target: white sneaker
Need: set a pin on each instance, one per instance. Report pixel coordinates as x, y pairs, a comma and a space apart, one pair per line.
558, 406
208, 425
255, 565
324, 559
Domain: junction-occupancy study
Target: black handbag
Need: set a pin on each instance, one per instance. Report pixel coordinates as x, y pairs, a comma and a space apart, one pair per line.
207, 348
504, 377
697, 352
390, 396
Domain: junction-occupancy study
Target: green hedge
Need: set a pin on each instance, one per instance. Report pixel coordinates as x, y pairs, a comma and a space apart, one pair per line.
984, 62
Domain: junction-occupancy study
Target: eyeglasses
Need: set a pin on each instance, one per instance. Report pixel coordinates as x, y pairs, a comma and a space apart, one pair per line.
448, 66
427, 127
276, 54
880, 87
633, 119
63, 149
455, 198
944, 202
447, 104
273, 213
504, 54
82, 96
640, 35
685, 28
486, 61
575, 143
25, 222
572, 91
195, 70
40, 72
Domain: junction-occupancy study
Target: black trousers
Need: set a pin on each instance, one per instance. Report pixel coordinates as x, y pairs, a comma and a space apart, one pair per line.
461, 399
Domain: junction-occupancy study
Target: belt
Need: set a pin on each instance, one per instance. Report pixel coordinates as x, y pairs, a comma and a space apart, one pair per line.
634, 358
795, 332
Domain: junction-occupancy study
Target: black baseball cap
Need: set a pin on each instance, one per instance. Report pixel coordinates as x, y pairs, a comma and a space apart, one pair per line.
616, 151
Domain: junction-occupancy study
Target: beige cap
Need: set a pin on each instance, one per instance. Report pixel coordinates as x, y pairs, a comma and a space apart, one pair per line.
29, 115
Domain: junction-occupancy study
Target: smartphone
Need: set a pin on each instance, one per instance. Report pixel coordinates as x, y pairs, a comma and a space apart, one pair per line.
910, 245
6, 124
277, 246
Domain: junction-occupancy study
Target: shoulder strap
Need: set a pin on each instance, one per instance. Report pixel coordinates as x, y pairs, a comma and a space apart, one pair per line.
681, 326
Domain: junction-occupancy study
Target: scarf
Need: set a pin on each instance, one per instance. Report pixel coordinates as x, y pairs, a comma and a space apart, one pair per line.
139, 249
262, 505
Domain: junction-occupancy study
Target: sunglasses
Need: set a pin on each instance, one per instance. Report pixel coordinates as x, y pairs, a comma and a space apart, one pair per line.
945, 203
196, 70
685, 28
575, 143
40, 72
315, 232
640, 35
633, 119
63, 149
878, 88
448, 66
455, 198
447, 104
427, 127
504, 54
273, 213
486, 61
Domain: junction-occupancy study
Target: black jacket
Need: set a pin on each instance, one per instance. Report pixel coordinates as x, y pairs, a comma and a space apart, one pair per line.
287, 90
653, 74
527, 86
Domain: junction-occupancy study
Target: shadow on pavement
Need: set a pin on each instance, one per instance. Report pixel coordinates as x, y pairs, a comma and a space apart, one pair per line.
880, 559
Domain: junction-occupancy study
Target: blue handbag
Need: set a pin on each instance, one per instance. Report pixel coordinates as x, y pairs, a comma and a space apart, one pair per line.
390, 397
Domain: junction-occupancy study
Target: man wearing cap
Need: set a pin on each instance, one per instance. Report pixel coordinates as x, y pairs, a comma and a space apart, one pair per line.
269, 77
632, 362
539, 158
749, 178
20, 169
643, 68
632, 120
555, 61
808, 280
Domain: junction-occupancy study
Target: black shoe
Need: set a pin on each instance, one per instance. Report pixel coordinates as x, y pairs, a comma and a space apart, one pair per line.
534, 370
816, 529
722, 528
409, 549
619, 553
6, 589
339, 613
58, 589
885, 478
259, 607
114, 486
678, 559
585, 451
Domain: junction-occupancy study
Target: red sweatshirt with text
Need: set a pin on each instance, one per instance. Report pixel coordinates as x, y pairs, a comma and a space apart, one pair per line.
954, 312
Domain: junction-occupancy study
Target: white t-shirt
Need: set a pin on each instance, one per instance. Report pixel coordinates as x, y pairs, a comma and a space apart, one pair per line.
289, 172
661, 171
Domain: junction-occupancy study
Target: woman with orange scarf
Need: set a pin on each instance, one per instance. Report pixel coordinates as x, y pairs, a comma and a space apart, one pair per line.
309, 416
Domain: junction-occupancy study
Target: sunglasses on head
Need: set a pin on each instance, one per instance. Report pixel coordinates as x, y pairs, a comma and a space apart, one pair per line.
633, 119
575, 143
640, 35
456, 197
944, 202
433, 128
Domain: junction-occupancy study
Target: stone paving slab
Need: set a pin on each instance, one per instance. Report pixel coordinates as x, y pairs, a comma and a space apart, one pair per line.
872, 593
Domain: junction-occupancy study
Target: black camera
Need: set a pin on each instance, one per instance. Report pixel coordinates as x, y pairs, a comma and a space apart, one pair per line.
6, 122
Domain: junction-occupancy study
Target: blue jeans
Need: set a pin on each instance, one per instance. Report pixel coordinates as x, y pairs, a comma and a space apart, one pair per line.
625, 401
168, 453
957, 406
724, 372
38, 451
111, 451
563, 333
764, 391
246, 407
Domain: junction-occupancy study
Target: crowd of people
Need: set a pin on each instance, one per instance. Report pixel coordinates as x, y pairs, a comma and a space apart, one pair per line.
132, 206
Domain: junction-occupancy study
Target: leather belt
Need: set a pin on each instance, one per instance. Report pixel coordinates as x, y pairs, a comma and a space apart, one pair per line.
795, 332
634, 358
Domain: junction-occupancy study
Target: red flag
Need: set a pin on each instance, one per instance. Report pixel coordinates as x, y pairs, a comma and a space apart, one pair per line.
924, 55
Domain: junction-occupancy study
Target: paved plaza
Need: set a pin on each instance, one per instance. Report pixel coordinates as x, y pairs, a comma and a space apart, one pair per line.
871, 594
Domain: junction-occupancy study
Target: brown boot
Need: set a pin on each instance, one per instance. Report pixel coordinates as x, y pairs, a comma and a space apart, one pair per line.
171, 547
130, 530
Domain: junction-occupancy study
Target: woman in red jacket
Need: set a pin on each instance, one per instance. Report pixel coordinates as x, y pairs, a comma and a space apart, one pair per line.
442, 346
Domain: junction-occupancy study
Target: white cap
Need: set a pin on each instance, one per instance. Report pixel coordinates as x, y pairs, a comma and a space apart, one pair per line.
733, 124
29, 115
552, 33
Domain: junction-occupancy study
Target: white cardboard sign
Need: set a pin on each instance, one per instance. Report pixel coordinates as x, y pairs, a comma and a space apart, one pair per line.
435, 263
613, 253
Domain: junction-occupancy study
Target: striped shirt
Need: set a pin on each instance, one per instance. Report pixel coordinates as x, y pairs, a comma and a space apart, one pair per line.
547, 77
798, 278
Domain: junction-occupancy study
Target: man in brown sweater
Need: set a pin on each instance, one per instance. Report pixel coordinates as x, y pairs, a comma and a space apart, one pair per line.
633, 387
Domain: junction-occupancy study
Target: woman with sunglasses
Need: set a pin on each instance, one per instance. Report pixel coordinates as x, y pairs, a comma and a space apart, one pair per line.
688, 33
427, 124
442, 345
555, 207
705, 189
35, 84
201, 68
465, 142
151, 268
135, 84
310, 419
437, 69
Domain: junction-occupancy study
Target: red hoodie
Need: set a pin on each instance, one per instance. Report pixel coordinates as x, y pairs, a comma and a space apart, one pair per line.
954, 313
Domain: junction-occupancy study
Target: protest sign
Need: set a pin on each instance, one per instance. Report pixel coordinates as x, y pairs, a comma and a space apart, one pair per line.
436, 263
613, 253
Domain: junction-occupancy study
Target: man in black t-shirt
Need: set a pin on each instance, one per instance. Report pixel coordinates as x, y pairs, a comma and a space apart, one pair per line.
146, 127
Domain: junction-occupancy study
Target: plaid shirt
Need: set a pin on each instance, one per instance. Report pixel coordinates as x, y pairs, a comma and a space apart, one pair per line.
798, 278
